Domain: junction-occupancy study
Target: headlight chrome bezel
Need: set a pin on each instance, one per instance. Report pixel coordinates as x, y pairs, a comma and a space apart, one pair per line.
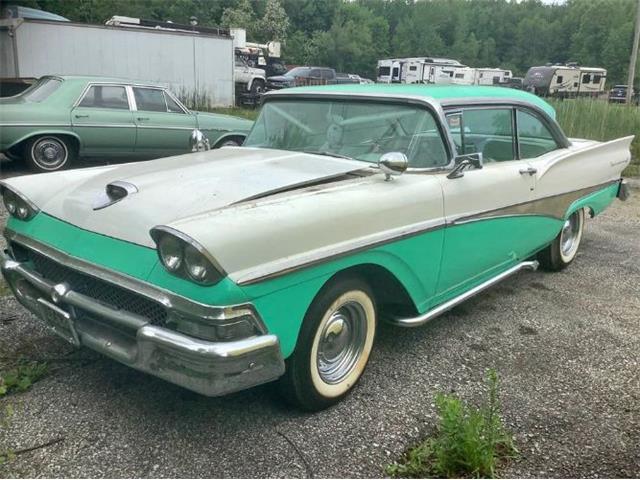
211, 270
18, 206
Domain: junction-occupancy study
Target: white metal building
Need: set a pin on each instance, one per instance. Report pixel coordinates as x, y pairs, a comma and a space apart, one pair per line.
190, 63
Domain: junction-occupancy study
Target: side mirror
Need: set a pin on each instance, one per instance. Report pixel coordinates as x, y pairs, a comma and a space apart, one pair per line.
465, 162
393, 164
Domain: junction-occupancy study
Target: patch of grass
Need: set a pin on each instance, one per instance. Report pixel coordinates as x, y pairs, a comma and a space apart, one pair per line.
6, 414
469, 441
21, 377
599, 120
4, 288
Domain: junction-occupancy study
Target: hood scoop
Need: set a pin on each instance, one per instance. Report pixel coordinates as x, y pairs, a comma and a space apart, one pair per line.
113, 193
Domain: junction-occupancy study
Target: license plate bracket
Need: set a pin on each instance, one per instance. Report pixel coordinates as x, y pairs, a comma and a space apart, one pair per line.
59, 320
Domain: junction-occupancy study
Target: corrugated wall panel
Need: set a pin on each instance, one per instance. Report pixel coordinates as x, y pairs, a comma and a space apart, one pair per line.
188, 64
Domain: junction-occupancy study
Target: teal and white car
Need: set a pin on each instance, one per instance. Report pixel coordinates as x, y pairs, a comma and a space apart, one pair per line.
225, 269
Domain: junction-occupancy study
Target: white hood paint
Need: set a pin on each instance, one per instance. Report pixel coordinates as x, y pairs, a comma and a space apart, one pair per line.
173, 188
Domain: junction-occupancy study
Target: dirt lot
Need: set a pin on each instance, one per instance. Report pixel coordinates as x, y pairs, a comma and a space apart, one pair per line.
565, 345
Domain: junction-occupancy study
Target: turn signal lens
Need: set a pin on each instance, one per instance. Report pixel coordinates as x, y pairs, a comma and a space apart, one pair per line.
171, 252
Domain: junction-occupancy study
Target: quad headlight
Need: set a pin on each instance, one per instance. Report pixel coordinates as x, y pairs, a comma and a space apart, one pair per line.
17, 206
185, 258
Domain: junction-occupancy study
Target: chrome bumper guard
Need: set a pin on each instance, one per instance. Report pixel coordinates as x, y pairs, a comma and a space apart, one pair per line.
209, 368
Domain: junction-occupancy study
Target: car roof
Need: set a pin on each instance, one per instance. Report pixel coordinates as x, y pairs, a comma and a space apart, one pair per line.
439, 93
98, 79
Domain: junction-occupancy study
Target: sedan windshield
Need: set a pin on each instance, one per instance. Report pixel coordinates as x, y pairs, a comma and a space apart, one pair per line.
361, 130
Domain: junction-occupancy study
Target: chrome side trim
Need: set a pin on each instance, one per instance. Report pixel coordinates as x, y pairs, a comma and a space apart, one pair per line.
554, 206
446, 306
332, 252
18, 124
168, 299
104, 125
162, 127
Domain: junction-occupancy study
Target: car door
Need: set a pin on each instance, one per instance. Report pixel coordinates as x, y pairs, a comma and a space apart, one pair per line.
164, 127
485, 233
103, 120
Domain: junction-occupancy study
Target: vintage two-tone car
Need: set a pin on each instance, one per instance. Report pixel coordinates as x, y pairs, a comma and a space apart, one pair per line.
225, 269
61, 118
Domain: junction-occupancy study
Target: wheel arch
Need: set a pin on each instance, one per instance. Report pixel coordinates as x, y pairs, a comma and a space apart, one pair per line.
228, 136
22, 141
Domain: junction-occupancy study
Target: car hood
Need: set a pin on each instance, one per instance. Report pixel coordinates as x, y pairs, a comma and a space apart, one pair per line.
174, 188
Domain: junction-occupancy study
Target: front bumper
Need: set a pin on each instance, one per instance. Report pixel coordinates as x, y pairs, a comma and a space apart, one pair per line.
206, 367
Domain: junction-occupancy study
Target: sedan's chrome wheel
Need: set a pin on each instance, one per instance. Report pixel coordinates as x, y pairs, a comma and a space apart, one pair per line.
571, 235
49, 153
342, 343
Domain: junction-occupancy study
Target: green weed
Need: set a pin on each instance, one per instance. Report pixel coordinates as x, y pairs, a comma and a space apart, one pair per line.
469, 441
599, 120
21, 377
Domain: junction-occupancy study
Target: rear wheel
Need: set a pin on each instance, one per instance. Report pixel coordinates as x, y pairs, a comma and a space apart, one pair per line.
564, 248
49, 153
333, 347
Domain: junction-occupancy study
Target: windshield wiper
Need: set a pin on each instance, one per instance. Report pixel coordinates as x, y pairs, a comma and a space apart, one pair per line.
327, 154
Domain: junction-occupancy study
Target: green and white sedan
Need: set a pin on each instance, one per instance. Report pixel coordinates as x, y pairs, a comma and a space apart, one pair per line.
347, 205
59, 119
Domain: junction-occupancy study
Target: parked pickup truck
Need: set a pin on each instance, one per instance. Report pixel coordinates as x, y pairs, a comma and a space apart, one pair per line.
308, 76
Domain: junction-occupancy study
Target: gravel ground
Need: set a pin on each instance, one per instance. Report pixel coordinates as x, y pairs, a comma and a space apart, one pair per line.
566, 347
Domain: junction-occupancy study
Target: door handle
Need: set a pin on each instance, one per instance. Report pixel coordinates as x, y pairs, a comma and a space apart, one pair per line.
81, 116
528, 171
143, 118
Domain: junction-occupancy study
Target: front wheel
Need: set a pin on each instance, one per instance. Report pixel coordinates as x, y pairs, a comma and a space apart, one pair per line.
48, 153
230, 142
333, 347
564, 248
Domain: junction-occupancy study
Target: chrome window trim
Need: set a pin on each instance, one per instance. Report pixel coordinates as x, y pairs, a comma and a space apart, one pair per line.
429, 102
514, 142
185, 110
133, 105
172, 301
100, 84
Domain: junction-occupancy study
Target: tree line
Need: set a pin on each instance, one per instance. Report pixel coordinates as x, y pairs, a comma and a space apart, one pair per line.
352, 36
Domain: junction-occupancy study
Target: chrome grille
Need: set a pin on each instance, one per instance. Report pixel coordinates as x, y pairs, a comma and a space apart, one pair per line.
104, 292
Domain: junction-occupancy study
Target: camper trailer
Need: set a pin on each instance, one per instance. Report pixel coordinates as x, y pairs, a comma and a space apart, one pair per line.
410, 69
492, 76
568, 80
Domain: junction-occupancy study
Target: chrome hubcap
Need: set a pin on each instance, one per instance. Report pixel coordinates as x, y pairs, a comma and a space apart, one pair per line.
569, 235
49, 153
341, 342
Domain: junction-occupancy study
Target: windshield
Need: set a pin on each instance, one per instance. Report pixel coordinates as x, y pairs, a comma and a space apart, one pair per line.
41, 90
362, 130
297, 72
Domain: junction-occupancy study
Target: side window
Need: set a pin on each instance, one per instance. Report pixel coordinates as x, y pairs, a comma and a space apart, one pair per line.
150, 99
106, 96
326, 74
559, 79
485, 130
314, 74
586, 78
413, 68
596, 79
172, 106
534, 137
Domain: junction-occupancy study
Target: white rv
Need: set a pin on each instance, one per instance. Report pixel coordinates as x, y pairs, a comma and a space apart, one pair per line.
410, 69
565, 80
491, 76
